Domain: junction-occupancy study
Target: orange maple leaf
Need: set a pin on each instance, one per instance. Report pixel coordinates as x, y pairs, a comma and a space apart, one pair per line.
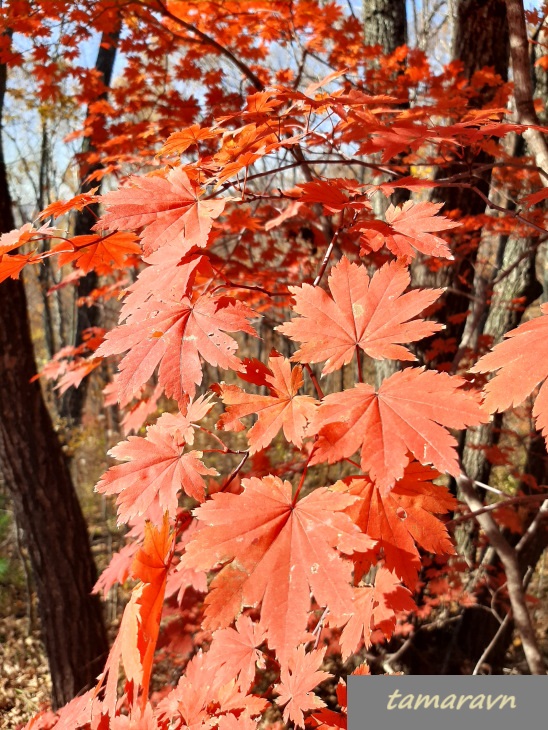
412, 226
373, 316
173, 335
235, 653
298, 679
95, 251
411, 411
168, 209
279, 552
402, 520
522, 363
158, 467
375, 607
282, 409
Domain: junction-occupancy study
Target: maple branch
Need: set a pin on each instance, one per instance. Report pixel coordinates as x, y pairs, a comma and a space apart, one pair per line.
208, 40
236, 471
513, 214
529, 534
314, 380
327, 256
523, 86
497, 505
500, 631
509, 560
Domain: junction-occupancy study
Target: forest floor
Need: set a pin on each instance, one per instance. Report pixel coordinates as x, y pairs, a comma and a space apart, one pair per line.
24, 675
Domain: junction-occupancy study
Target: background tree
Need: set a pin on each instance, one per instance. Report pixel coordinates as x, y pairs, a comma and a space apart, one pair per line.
36, 475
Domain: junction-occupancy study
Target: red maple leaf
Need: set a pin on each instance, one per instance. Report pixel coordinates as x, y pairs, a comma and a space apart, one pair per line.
174, 335
371, 315
199, 698
179, 142
411, 411
375, 607
282, 409
327, 719
234, 652
522, 363
168, 209
95, 251
136, 640
298, 679
402, 520
158, 467
279, 551
413, 225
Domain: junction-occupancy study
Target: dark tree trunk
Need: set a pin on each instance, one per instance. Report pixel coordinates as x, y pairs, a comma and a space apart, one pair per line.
481, 39
46, 507
72, 404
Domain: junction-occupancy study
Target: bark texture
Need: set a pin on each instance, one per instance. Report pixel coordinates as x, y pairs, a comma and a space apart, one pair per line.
46, 506
385, 24
90, 316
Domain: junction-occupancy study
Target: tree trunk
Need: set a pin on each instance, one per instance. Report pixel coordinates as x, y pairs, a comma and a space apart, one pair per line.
45, 503
481, 39
89, 316
385, 24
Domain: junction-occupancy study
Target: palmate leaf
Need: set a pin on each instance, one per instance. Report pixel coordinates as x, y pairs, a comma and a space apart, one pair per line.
520, 363
401, 521
408, 229
298, 678
157, 468
174, 335
411, 412
376, 607
277, 553
372, 315
167, 209
283, 409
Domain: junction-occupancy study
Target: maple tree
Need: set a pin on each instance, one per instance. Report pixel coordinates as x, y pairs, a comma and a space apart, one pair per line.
239, 535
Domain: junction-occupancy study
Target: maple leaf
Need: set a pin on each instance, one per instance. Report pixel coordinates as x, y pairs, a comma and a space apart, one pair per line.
375, 607
78, 202
411, 411
279, 552
95, 251
402, 520
179, 142
136, 639
235, 652
282, 409
327, 719
182, 425
200, 698
174, 335
12, 266
522, 363
298, 679
169, 277
157, 469
168, 209
412, 225
117, 571
373, 316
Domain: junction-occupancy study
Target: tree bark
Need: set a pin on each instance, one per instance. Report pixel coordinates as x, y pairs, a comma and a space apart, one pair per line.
72, 403
45, 503
385, 24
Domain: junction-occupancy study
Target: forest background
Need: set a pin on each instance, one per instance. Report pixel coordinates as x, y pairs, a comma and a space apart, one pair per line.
296, 166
